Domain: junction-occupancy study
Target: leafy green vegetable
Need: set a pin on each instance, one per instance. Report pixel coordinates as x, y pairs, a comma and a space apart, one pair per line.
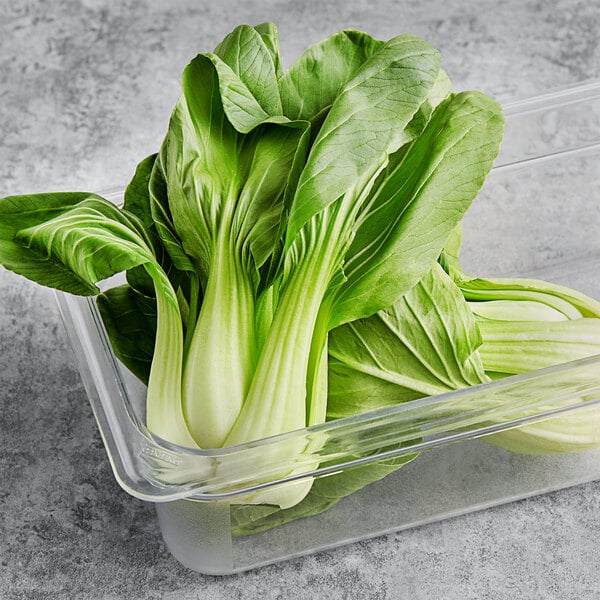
370, 113
280, 205
291, 256
528, 324
82, 239
424, 344
226, 169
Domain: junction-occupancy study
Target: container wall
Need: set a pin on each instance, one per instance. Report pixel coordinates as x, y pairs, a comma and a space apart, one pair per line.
438, 484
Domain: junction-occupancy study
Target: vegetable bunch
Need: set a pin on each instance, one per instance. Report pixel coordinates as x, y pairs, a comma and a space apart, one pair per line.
291, 251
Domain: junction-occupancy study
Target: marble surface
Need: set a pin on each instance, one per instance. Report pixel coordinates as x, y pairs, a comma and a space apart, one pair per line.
86, 88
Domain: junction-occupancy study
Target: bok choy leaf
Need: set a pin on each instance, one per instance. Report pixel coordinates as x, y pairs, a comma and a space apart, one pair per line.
424, 344
86, 239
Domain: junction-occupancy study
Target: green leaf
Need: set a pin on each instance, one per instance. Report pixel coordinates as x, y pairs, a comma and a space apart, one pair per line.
131, 327
317, 77
424, 344
270, 37
95, 240
21, 212
253, 56
407, 224
137, 194
365, 124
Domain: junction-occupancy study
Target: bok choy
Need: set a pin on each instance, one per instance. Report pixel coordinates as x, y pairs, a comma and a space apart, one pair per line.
291, 253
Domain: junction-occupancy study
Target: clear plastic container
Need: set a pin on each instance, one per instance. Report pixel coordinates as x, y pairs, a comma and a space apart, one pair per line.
537, 216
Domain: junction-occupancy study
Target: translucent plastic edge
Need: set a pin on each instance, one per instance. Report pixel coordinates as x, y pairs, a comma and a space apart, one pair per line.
561, 96
584, 92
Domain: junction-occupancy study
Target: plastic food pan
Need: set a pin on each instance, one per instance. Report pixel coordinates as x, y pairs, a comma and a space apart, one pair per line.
538, 215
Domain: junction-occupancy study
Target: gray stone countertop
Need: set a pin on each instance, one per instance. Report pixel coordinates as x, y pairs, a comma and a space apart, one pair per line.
86, 88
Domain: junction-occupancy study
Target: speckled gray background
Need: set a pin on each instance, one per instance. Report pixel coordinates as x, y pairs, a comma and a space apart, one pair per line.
86, 87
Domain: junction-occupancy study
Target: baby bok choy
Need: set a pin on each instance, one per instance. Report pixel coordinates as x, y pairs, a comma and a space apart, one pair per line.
282, 211
529, 324
453, 330
71, 241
